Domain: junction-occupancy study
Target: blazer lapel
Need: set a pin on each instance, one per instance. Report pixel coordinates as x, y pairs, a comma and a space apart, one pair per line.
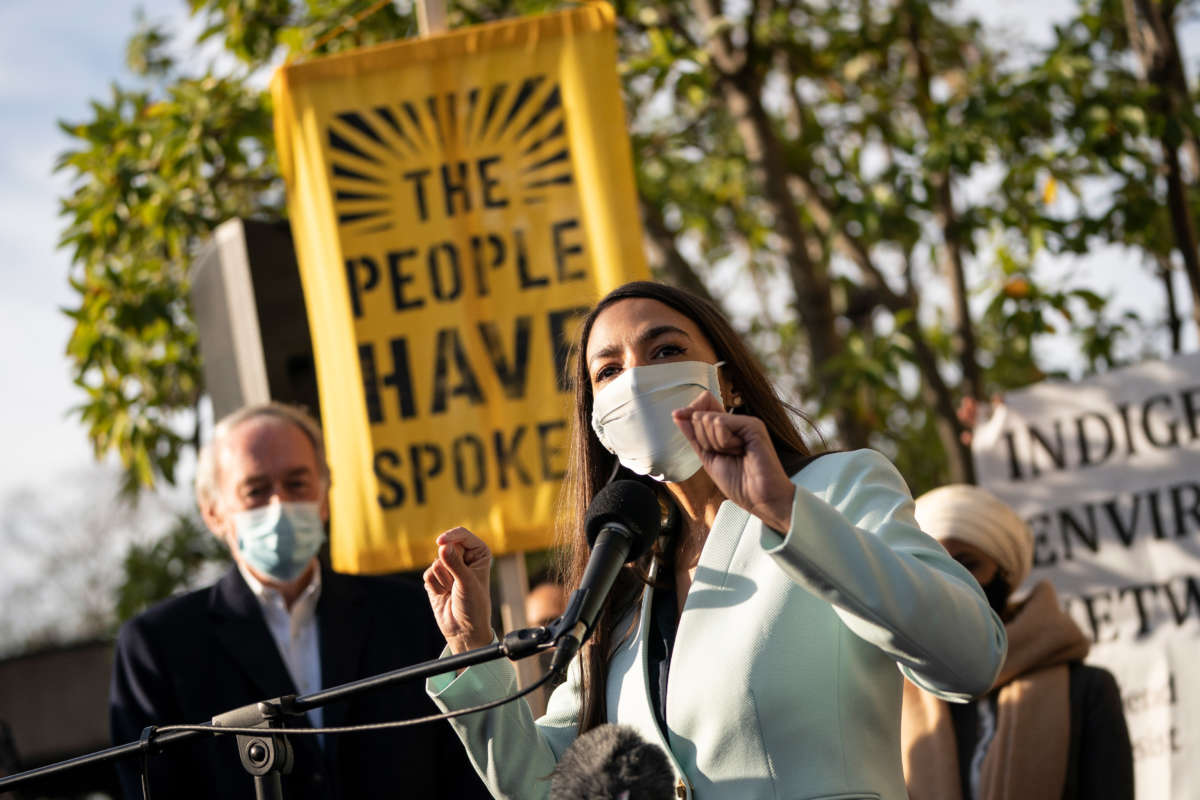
343, 625
646, 719
708, 586
643, 717
240, 628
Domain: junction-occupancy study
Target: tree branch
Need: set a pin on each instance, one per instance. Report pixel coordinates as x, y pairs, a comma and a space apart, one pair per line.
1151, 30
725, 57
660, 242
1174, 323
947, 220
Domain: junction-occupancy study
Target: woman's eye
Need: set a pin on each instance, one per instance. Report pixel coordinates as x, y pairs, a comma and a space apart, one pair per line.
669, 351
604, 373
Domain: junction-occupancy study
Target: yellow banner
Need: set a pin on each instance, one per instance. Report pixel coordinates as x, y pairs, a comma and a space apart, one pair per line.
456, 202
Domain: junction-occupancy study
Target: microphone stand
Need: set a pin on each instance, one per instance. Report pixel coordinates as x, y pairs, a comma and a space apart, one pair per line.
268, 756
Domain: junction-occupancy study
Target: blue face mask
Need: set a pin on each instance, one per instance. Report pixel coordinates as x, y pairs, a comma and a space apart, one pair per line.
279, 539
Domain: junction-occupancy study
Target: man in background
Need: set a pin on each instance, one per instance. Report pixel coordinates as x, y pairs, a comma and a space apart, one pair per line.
546, 602
1052, 727
281, 623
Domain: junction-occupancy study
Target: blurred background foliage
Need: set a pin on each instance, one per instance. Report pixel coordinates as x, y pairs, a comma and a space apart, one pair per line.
162, 567
879, 181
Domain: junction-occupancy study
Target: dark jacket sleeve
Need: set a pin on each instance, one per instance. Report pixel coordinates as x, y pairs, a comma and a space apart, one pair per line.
427, 760
1101, 755
141, 695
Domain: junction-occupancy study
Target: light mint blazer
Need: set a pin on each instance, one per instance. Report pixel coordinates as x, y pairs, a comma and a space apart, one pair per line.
783, 679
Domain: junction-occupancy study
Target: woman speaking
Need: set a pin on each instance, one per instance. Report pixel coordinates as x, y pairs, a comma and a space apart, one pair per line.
759, 642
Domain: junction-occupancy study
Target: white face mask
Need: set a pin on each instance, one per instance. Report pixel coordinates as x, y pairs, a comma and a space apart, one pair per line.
632, 417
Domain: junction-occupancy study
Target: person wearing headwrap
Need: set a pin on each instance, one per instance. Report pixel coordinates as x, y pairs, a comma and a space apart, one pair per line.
1051, 727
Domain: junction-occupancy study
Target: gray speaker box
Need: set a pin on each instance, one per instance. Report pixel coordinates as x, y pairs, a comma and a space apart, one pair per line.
249, 310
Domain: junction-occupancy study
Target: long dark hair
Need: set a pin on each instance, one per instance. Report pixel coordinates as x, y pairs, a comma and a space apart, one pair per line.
590, 465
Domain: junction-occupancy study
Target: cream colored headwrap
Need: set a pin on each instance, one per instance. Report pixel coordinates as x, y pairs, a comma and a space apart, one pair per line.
977, 517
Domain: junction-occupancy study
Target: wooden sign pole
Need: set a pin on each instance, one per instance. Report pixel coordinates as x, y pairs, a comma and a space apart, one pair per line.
512, 584
431, 17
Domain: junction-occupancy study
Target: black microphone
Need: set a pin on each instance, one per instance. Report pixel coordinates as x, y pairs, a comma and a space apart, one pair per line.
612, 762
621, 523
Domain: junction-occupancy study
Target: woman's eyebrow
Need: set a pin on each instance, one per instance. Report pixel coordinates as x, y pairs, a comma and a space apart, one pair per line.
648, 335
659, 330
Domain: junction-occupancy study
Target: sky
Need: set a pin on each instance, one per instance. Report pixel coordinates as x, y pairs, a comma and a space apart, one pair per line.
53, 58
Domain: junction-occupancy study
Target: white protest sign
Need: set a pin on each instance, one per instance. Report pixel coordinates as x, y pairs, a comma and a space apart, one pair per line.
1107, 474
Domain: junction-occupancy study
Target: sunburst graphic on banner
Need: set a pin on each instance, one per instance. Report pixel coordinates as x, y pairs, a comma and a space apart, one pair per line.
379, 154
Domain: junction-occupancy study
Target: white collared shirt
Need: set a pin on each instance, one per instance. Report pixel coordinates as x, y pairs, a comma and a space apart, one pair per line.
294, 632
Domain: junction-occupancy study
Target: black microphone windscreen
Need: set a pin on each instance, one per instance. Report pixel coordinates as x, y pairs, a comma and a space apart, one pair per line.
631, 504
612, 761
